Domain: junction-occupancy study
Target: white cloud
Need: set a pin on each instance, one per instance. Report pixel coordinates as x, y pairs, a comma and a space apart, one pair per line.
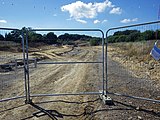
3, 21
78, 20
79, 10
81, 21
104, 21
125, 21
129, 20
102, 6
135, 20
96, 21
116, 10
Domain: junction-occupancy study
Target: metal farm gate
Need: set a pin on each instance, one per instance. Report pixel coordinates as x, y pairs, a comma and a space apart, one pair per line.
131, 71
46, 60
22, 64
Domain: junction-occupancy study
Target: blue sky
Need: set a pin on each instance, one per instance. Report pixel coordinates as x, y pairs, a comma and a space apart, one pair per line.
101, 14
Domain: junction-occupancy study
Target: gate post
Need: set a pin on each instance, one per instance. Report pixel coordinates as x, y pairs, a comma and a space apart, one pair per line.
26, 65
104, 96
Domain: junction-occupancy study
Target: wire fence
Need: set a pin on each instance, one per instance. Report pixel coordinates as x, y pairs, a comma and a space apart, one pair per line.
45, 69
131, 70
11, 65
33, 64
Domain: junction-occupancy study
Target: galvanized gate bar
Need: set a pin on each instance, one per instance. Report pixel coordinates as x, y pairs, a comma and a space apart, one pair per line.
61, 30
9, 29
99, 62
28, 100
24, 62
106, 65
12, 98
68, 62
67, 94
135, 97
135, 25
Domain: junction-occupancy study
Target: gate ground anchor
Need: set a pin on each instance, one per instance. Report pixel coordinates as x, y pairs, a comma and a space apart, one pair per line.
106, 99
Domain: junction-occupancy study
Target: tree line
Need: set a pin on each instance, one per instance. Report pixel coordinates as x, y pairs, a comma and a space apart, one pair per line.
133, 36
69, 39
49, 38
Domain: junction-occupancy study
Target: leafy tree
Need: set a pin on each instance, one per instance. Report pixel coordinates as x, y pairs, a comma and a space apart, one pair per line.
70, 38
135, 36
34, 37
16, 35
9, 37
94, 41
111, 39
51, 38
157, 33
126, 32
121, 38
31, 36
1, 37
37, 37
149, 35
131, 36
64, 38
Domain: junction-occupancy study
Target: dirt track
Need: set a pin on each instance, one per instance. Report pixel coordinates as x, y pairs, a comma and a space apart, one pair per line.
77, 78
56, 79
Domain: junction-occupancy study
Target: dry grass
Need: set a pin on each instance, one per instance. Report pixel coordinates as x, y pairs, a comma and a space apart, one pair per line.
135, 50
10, 46
136, 57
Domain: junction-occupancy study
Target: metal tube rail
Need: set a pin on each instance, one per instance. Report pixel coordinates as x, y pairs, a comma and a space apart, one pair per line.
25, 59
9, 29
89, 30
83, 30
103, 57
12, 98
134, 25
66, 94
68, 62
135, 97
